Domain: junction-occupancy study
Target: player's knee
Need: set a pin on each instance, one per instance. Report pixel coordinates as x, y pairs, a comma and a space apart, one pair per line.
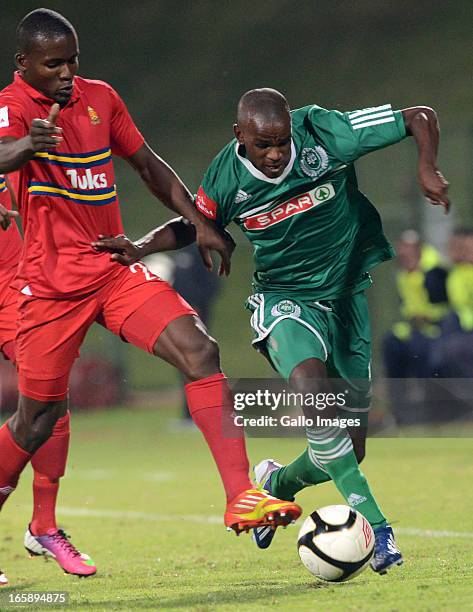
203, 359
310, 376
31, 437
31, 429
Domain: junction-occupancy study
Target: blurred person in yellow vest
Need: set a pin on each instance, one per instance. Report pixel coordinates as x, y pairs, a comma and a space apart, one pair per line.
407, 349
460, 281
453, 356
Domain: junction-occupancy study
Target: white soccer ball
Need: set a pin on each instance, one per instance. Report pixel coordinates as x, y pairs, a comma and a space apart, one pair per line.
336, 543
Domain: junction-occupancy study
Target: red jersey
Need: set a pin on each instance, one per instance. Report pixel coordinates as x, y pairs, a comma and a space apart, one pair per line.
10, 241
67, 196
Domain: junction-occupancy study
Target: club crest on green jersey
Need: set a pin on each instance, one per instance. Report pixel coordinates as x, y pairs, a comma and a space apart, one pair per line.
314, 161
286, 308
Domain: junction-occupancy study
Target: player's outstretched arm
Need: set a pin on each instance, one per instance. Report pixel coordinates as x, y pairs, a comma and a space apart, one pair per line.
44, 134
164, 183
421, 123
174, 234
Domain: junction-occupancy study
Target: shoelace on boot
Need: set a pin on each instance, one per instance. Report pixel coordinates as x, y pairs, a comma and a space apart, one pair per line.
64, 540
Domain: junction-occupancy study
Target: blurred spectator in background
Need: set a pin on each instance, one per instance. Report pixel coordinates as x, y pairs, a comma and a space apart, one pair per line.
460, 281
408, 349
453, 356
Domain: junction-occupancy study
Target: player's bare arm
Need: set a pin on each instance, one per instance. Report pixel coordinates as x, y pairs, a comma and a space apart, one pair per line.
175, 234
421, 123
44, 134
164, 183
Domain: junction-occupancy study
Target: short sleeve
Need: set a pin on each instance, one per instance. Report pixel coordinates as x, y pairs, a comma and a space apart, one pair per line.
125, 137
210, 207
352, 134
209, 199
12, 124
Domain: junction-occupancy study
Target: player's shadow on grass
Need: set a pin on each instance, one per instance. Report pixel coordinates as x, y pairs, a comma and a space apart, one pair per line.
240, 592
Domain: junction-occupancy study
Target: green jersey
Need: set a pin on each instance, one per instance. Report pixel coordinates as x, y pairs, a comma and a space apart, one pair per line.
315, 235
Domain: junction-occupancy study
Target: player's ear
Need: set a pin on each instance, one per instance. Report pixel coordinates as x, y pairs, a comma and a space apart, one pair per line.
238, 133
20, 61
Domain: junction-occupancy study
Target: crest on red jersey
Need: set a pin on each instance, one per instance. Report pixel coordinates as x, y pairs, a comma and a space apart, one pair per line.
94, 118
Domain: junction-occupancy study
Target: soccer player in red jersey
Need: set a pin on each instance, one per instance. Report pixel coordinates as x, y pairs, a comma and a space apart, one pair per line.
67, 196
10, 249
49, 461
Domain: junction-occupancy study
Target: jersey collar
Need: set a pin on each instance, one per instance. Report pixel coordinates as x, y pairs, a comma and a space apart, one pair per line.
38, 95
262, 177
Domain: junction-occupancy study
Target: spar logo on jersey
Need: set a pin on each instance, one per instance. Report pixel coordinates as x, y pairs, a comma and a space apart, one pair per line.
205, 204
294, 206
314, 161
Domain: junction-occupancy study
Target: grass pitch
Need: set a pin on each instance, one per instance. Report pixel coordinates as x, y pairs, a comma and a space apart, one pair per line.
143, 498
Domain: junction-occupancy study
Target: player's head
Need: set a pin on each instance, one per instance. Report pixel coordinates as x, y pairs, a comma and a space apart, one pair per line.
460, 245
48, 53
263, 128
409, 250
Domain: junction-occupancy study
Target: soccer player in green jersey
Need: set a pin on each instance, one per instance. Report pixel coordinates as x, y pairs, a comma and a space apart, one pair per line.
288, 181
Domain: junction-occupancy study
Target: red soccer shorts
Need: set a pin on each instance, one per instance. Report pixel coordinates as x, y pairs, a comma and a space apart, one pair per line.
8, 318
50, 331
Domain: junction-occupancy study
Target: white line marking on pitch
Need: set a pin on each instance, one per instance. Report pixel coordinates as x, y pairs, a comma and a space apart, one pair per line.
99, 474
218, 520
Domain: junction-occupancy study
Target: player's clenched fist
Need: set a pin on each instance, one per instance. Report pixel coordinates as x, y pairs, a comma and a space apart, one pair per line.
434, 187
44, 133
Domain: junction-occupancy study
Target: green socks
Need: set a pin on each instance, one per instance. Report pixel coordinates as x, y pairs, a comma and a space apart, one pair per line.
297, 475
329, 456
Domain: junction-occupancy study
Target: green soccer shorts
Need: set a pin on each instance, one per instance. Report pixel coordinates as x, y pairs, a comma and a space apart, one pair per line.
290, 330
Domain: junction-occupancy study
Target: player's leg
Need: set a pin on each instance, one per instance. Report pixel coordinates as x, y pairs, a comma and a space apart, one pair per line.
330, 449
16, 443
289, 333
162, 323
351, 355
49, 461
49, 334
289, 346
186, 344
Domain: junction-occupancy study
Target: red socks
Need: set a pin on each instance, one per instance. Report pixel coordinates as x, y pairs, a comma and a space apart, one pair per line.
210, 404
12, 461
49, 464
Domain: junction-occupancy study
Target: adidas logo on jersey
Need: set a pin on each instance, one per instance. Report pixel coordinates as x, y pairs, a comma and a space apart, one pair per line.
241, 196
354, 499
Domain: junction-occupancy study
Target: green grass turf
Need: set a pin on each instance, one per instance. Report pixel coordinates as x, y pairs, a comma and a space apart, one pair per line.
133, 462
